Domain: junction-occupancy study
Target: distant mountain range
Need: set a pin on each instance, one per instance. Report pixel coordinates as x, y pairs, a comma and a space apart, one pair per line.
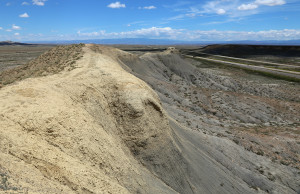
4, 43
144, 41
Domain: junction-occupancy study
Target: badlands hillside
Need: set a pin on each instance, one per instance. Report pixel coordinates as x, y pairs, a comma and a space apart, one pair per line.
95, 119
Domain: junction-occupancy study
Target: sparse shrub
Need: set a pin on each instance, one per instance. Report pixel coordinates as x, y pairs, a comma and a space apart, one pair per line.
236, 141
286, 163
4, 184
188, 123
254, 187
261, 171
271, 177
260, 152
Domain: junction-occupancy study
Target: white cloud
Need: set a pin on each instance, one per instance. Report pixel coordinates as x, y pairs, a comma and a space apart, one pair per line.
24, 15
17, 34
91, 34
270, 2
8, 30
170, 33
116, 5
232, 8
148, 7
153, 32
217, 7
257, 3
247, 6
25, 3
39, 2
286, 34
177, 17
195, 35
134, 23
14, 27
191, 15
1, 28
221, 11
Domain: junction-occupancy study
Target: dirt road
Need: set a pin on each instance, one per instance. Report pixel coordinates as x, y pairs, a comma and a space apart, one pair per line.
286, 73
251, 60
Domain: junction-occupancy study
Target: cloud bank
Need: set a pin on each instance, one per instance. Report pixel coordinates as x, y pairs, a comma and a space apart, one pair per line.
195, 35
167, 33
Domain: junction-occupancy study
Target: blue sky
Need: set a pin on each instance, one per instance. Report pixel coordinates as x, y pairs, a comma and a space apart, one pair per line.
194, 20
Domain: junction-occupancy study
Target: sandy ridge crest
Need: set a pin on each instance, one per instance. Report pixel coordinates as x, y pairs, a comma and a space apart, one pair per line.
60, 133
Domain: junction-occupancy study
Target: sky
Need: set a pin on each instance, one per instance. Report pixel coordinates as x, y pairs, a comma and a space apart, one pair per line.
191, 20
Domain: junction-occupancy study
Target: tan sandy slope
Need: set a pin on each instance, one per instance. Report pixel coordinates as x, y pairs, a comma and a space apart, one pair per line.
79, 131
